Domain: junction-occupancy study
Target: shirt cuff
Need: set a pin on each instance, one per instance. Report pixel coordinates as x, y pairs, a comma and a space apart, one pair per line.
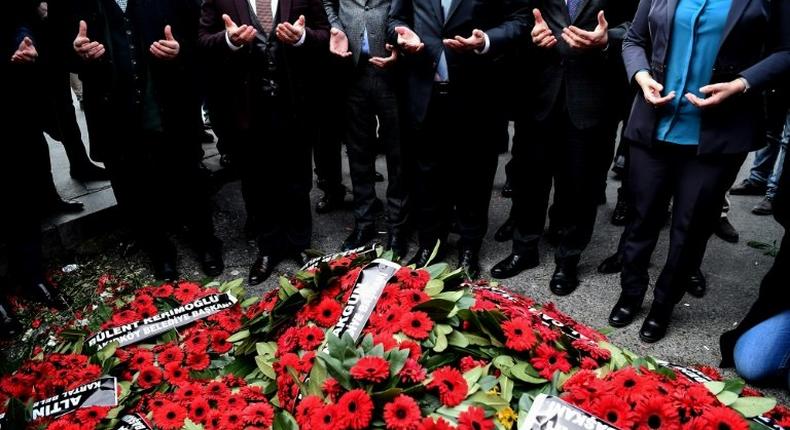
230, 44
301, 40
746, 85
486, 47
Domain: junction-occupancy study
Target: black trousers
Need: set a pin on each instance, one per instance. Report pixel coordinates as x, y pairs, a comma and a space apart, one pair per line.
371, 110
62, 124
696, 185
159, 186
455, 162
276, 180
571, 158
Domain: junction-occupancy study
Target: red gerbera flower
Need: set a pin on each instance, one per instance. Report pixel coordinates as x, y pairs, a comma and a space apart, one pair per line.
259, 414
198, 410
474, 418
416, 325
410, 298
549, 360
162, 291
141, 358
656, 413
439, 424
371, 368
327, 417
174, 373
614, 410
630, 384
310, 337
356, 408
186, 292
231, 420
412, 372
216, 390
327, 312
170, 416
331, 387
172, 354
402, 413
413, 278
92, 415
188, 392
197, 342
150, 376
219, 342
451, 385
519, 334
197, 361
723, 418
307, 409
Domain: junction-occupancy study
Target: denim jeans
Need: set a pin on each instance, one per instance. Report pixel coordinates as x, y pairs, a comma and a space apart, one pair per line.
762, 354
768, 162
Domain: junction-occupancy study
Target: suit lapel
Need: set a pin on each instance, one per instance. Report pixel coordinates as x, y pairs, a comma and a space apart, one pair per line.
736, 10
437, 11
453, 8
284, 7
671, 6
242, 8
580, 10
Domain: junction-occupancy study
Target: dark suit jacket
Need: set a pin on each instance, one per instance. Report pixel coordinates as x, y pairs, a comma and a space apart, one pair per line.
473, 77
755, 45
584, 75
235, 73
109, 111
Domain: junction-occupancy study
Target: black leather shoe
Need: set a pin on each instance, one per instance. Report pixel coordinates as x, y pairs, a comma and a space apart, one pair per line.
166, 271
301, 258
398, 243
379, 177
9, 325
655, 326
505, 232
748, 188
46, 294
565, 280
507, 190
359, 237
625, 310
697, 284
469, 261
330, 202
514, 264
612, 264
725, 231
89, 172
261, 269
621, 210
211, 259
420, 259
59, 205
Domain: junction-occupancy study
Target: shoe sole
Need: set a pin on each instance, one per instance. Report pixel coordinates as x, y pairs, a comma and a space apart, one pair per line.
646, 339
620, 325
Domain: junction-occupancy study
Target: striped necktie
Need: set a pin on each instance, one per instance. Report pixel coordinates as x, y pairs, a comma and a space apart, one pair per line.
263, 8
122, 4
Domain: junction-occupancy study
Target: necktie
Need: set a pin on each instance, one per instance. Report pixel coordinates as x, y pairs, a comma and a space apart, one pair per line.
122, 4
573, 7
442, 74
263, 8
365, 49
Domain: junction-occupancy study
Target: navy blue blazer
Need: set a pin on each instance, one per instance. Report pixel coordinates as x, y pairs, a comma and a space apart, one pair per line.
755, 45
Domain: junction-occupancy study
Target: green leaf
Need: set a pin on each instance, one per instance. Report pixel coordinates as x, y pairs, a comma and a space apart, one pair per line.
318, 374
336, 370
250, 301
715, 387
524, 405
437, 309
108, 351
735, 385
521, 372
753, 406
190, 425
434, 287
504, 363
451, 296
458, 339
286, 289
266, 367
268, 349
477, 340
224, 288
239, 336
506, 387
441, 342
473, 375
437, 270
284, 421
397, 359
727, 397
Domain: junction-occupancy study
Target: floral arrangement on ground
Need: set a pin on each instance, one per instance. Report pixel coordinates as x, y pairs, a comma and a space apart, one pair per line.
351, 342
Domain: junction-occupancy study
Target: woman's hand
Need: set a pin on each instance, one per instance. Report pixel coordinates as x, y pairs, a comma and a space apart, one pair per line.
652, 89
717, 93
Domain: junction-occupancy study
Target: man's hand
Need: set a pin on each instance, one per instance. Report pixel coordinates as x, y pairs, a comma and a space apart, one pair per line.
167, 48
385, 62
291, 33
26, 53
85, 48
477, 41
338, 43
716, 93
652, 89
541, 34
408, 40
577, 38
239, 36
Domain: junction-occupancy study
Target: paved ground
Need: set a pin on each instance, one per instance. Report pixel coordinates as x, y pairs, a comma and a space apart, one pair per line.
733, 270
